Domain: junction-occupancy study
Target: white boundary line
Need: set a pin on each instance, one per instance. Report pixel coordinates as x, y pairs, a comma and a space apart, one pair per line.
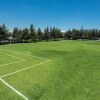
12, 56
25, 54
16, 57
23, 69
16, 91
12, 62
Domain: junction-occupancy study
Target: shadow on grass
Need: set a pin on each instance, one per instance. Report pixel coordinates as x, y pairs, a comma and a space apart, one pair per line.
36, 92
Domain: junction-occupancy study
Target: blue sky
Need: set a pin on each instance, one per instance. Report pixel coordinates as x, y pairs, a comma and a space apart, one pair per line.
64, 14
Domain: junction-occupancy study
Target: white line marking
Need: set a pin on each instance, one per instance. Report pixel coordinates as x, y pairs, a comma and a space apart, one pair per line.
23, 69
12, 62
12, 56
16, 57
16, 91
26, 54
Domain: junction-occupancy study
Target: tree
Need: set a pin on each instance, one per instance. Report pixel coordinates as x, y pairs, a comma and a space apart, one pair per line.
26, 34
51, 33
55, 33
46, 34
75, 34
60, 34
67, 34
3, 32
33, 35
40, 34
15, 34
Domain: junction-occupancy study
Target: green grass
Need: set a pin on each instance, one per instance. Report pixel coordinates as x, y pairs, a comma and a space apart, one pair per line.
72, 74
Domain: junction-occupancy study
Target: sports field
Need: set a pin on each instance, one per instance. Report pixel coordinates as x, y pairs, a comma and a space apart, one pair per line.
63, 70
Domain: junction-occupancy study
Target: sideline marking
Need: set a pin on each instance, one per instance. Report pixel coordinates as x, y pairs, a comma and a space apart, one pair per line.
12, 62
25, 54
23, 69
15, 57
16, 91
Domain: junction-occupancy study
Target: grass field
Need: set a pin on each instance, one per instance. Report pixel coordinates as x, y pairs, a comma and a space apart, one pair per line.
63, 70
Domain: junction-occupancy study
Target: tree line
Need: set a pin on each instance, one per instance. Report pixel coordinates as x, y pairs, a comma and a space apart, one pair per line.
32, 34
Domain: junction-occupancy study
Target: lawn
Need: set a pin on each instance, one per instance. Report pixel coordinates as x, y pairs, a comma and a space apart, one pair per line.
57, 70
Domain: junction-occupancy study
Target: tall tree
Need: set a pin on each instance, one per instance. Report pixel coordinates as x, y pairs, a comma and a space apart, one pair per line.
3, 32
46, 34
67, 34
75, 34
59, 33
40, 34
26, 35
33, 35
